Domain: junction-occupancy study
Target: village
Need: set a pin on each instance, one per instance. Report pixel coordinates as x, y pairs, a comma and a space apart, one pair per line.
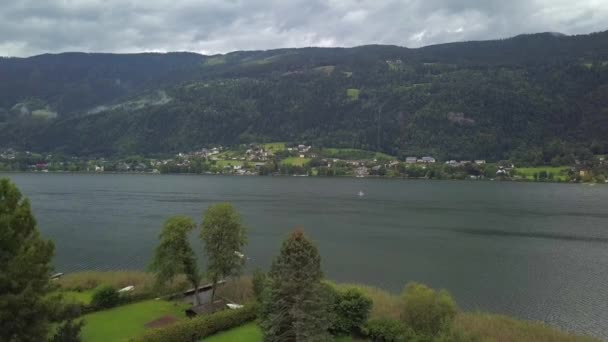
297, 159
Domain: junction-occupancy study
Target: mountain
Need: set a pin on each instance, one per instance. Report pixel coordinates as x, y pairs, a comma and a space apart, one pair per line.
535, 98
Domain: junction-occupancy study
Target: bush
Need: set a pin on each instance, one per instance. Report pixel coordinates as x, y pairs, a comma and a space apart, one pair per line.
425, 310
201, 326
351, 310
69, 331
105, 297
387, 330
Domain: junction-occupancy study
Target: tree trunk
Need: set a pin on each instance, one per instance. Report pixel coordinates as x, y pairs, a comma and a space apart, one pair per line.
213, 287
196, 297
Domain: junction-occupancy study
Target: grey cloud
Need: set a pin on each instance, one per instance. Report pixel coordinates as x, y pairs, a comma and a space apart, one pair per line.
29, 27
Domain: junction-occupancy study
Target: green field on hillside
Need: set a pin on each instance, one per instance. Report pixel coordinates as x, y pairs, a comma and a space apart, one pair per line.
274, 147
224, 163
353, 153
296, 161
559, 172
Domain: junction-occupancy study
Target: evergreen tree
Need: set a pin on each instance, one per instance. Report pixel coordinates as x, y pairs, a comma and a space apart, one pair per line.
223, 235
295, 305
24, 270
174, 255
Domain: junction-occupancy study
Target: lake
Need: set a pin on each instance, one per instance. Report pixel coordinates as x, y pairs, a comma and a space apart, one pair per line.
532, 250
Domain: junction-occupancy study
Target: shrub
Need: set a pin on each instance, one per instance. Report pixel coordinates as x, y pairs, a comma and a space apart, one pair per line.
105, 297
425, 310
351, 310
387, 330
201, 326
69, 331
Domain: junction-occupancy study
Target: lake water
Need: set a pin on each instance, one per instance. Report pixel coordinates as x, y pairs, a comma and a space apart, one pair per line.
536, 251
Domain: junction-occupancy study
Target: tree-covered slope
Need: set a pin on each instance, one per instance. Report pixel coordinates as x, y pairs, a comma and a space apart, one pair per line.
538, 98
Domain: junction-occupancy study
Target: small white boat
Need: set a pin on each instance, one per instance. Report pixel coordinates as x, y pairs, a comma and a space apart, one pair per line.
234, 306
127, 289
361, 194
239, 254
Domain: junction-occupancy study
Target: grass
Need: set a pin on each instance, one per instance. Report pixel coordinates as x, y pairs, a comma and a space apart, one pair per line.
499, 328
296, 161
224, 163
89, 280
79, 285
353, 153
274, 147
249, 332
353, 93
237, 289
559, 172
127, 321
83, 297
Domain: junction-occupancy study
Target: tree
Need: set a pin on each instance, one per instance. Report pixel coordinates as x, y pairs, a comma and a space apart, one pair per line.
259, 283
174, 255
351, 309
25, 270
223, 235
296, 304
427, 311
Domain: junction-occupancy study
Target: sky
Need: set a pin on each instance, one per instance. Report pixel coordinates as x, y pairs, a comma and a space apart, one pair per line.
31, 27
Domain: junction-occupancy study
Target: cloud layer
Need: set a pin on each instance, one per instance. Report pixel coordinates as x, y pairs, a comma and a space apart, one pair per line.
29, 27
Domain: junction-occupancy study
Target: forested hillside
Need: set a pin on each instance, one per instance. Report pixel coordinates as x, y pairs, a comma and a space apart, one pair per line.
538, 99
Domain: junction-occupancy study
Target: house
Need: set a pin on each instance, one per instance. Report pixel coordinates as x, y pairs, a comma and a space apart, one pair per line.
361, 171
428, 160
411, 160
480, 161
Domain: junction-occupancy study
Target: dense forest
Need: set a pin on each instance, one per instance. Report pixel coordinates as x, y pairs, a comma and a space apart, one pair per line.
537, 99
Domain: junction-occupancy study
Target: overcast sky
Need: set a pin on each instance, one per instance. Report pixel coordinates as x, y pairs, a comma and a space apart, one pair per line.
30, 27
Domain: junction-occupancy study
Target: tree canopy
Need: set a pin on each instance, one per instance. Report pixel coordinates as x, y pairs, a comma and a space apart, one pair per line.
174, 255
25, 270
223, 236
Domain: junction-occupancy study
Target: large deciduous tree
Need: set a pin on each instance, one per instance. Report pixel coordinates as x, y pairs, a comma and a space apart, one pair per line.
25, 269
174, 255
295, 305
223, 235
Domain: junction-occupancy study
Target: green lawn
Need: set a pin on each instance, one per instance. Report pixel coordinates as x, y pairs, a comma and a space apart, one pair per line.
296, 161
274, 147
83, 297
353, 153
249, 332
528, 172
224, 163
125, 322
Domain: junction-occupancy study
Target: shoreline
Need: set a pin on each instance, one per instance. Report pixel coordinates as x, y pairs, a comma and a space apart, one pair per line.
299, 176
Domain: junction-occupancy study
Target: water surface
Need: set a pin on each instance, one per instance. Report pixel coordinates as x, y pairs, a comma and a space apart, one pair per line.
536, 251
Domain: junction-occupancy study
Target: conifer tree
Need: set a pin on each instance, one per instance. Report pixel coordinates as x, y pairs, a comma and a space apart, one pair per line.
295, 307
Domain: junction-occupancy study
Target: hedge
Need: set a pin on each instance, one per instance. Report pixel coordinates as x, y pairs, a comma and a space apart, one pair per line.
202, 326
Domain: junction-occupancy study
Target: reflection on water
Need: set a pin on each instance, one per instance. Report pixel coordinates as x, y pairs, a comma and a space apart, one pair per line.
538, 251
